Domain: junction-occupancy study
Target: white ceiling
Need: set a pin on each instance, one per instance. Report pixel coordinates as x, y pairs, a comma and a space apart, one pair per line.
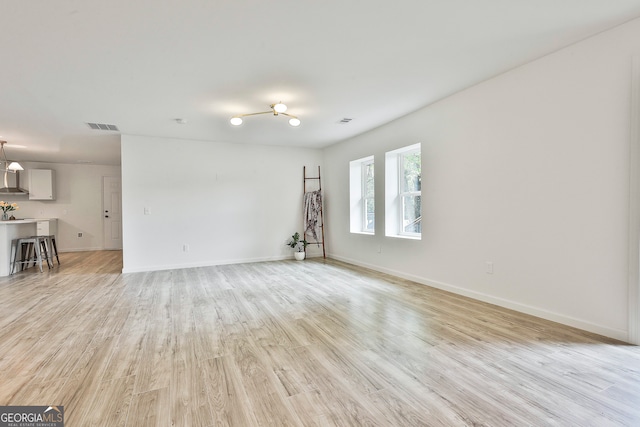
142, 64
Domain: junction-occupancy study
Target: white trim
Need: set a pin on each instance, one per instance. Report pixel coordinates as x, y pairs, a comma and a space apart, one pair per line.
395, 191
365, 218
365, 233
204, 264
357, 208
512, 305
84, 249
634, 206
407, 236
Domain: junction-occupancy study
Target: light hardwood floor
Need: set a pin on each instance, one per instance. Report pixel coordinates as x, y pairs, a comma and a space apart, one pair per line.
289, 343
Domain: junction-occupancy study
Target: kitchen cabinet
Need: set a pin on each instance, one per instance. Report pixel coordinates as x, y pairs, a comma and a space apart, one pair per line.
46, 227
41, 184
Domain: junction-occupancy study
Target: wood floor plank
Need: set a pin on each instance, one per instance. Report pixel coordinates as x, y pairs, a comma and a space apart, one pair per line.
226, 394
261, 386
150, 409
190, 405
126, 355
154, 370
333, 395
111, 404
286, 343
84, 380
13, 387
63, 360
309, 414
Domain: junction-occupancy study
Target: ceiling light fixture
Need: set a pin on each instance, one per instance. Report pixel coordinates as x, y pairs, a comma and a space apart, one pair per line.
276, 110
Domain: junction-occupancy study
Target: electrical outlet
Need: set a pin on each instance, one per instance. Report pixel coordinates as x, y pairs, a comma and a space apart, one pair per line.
147, 211
185, 248
79, 234
489, 267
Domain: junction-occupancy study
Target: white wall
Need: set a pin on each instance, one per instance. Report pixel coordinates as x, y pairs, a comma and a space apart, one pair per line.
227, 202
528, 170
78, 203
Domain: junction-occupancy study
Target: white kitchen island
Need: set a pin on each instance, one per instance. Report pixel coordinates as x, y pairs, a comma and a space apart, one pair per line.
15, 229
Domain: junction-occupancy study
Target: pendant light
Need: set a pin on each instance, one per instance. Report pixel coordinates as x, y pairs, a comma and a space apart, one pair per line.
11, 167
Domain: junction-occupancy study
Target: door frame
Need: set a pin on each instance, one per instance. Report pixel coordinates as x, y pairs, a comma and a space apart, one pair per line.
634, 206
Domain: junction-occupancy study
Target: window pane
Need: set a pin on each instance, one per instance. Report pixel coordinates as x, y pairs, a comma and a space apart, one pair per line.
368, 180
411, 214
369, 214
412, 172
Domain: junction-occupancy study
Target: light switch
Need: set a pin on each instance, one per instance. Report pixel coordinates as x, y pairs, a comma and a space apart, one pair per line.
147, 211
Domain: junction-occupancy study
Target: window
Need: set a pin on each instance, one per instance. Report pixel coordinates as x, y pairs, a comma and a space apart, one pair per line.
403, 192
362, 195
368, 197
409, 191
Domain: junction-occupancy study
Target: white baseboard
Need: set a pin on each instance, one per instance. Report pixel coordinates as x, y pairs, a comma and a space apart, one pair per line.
585, 325
79, 249
201, 264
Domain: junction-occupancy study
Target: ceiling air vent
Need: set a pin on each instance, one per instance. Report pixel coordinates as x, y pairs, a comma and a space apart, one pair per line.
102, 126
345, 120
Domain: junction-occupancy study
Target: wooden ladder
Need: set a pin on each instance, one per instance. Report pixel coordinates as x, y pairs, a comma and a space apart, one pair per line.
321, 218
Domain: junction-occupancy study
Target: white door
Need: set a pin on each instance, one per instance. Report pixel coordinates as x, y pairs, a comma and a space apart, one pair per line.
112, 212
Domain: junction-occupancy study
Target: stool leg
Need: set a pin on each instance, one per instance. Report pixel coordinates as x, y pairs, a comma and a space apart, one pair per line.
44, 243
14, 255
32, 255
55, 250
38, 253
26, 255
23, 248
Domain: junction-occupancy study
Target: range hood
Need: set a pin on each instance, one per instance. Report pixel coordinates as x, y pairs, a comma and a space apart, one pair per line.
12, 191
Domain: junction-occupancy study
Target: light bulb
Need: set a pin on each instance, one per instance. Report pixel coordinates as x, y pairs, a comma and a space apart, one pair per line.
236, 121
280, 108
294, 122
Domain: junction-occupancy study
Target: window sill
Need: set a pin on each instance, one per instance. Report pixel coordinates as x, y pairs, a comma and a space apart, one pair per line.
401, 236
366, 233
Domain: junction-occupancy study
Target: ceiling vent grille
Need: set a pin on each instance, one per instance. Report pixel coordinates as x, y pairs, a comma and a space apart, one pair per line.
102, 126
345, 120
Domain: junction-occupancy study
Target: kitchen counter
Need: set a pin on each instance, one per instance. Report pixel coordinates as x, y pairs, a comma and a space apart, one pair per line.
24, 221
15, 229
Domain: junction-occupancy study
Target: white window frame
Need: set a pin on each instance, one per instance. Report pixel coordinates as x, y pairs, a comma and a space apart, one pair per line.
402, 192
365, 198
394, 178
357, 205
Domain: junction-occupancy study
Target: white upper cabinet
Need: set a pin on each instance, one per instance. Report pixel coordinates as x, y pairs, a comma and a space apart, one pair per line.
41, 184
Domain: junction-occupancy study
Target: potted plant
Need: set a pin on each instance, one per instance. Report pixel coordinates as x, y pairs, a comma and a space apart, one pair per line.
299, 245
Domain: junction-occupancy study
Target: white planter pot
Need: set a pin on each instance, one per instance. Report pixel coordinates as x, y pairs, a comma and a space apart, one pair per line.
299, 255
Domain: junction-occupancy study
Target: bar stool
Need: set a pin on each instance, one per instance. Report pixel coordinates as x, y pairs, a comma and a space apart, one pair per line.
26, 245
50, 248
